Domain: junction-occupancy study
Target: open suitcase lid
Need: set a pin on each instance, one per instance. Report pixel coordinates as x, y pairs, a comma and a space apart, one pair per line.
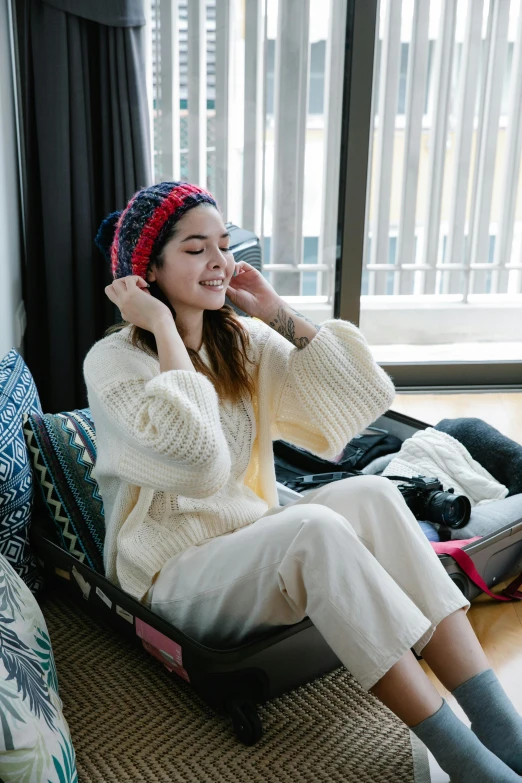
496, 557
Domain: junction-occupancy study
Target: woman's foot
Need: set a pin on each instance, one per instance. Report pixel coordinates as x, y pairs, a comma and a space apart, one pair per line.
493, 717
459, 752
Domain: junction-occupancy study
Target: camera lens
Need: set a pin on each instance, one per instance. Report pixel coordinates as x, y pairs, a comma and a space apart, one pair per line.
448, 509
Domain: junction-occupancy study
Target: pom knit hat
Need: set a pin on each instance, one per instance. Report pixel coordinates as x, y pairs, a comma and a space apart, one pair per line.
131, 238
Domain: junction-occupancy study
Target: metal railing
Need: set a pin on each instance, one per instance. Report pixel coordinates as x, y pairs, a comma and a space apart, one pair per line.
459, 172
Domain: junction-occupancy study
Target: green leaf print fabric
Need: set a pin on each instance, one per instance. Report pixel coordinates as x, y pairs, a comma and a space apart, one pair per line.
35, 744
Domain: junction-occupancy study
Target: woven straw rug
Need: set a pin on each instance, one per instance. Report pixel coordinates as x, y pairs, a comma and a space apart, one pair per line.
133, 722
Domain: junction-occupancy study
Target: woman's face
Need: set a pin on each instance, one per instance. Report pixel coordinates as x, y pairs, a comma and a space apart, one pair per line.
197, 264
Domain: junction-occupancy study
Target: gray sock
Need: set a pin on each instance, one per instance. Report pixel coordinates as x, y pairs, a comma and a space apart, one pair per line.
493, 717
459, 752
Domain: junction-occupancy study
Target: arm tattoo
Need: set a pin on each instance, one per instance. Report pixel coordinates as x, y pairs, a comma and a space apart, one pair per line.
306, 319
285, 325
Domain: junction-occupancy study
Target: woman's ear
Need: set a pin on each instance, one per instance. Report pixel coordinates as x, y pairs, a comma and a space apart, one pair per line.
150, 276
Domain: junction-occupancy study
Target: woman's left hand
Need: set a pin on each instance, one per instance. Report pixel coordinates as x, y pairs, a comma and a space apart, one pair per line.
249, 291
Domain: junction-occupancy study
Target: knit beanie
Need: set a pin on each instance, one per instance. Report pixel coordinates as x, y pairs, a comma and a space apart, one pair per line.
130, 239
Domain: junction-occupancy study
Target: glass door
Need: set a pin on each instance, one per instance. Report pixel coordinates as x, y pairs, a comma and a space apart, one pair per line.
440, 254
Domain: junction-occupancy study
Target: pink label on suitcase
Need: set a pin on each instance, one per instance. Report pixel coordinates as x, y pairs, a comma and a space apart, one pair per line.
162, 648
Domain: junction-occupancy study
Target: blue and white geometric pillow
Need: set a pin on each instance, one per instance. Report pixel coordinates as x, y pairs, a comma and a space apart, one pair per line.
62, 448
18, 395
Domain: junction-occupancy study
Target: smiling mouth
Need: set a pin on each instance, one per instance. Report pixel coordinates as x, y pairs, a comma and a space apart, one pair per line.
213, 287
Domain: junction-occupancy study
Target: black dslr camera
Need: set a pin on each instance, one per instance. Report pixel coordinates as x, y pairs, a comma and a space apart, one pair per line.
426, 499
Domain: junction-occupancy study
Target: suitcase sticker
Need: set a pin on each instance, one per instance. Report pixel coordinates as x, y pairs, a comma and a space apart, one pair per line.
162, 648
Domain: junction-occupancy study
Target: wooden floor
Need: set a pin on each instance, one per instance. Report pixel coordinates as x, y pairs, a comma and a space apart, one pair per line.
498, 626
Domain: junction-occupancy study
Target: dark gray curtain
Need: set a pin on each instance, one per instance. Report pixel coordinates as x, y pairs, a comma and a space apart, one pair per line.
86, 144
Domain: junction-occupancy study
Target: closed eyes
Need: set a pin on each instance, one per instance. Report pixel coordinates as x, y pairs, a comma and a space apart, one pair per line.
197, 252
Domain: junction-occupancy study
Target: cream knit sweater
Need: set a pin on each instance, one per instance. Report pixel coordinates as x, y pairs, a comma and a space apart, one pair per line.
176, 466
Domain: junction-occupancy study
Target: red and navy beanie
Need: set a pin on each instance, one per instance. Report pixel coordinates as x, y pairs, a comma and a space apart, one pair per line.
130, 239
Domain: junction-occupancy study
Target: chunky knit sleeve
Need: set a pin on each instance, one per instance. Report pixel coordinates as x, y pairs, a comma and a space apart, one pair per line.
323, 395
167, 424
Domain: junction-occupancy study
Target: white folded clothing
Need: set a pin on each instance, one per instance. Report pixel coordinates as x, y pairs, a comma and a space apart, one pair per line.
431, 452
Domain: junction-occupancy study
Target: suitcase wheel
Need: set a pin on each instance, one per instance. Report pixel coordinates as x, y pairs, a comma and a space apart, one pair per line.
245, 721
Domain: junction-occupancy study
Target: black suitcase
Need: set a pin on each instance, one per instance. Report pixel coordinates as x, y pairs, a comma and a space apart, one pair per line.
236, 680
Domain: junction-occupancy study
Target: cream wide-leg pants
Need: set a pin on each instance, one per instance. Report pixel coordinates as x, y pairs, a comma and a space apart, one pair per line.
349, 555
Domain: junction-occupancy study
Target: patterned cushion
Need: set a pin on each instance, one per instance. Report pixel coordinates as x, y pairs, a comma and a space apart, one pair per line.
18, 395
63, 453
35, 744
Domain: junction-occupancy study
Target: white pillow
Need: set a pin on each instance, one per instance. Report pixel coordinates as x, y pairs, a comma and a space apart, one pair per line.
35, 743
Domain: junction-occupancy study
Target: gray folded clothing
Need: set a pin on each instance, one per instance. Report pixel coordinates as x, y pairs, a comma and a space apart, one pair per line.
491, 517
499, 455
377, 465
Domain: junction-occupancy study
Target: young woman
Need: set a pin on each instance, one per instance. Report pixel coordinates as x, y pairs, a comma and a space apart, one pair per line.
187, 398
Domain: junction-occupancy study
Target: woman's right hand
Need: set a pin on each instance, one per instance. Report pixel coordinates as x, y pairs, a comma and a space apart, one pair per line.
132, 297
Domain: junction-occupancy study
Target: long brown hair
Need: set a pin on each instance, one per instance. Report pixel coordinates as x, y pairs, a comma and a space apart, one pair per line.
226, 340
224, 336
